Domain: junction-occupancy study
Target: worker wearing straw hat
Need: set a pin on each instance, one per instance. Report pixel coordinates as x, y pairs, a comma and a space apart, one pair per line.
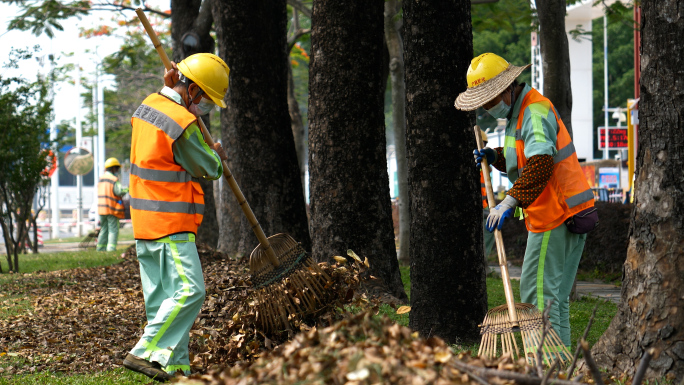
549, 189
168, 156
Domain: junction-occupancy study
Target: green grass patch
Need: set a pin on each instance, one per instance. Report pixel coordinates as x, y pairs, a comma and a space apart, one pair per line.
30, 263
119, 376
125, 234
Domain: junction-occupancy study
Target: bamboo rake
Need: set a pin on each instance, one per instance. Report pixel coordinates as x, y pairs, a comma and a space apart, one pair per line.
508, 319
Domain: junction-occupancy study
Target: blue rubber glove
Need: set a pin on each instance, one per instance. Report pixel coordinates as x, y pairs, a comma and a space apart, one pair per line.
498, 214
488, 152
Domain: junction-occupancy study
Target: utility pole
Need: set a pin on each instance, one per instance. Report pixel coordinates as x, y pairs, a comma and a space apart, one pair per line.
79, 178
605, 83
100, 160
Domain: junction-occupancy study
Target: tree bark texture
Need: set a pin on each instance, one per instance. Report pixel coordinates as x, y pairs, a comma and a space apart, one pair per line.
184, 18
650, 311
555, 57
349, 184
448, 290
395, 47
256, 124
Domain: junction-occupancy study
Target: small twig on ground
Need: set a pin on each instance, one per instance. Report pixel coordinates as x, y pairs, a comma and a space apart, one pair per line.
545, 330
236, 288
590, 362
551, 370
579, 346
578, 378
643, 365
518, 378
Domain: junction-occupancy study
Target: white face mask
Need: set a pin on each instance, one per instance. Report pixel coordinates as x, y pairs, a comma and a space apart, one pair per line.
500, 111
202, 108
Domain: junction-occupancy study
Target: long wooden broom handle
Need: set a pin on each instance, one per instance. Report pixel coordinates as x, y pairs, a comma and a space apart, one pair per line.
508, 289
207, 138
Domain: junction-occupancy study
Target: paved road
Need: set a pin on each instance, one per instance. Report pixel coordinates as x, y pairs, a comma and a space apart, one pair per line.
592, 289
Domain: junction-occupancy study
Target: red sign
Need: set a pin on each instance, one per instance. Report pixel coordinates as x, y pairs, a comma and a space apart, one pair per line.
617, 138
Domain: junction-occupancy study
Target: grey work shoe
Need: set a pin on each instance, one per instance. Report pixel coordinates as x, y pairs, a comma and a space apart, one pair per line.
152, 370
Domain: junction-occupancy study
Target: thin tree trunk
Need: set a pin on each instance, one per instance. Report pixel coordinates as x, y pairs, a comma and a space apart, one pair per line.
448, 289
396, 51
256, 124
555, 57
297, 124
650, 311
349, 189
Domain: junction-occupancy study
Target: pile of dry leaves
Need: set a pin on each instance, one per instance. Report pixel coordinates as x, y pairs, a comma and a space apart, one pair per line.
90, 318
361, 349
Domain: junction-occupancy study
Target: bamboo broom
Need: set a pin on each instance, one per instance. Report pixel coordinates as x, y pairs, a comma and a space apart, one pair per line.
503, 321
287, 280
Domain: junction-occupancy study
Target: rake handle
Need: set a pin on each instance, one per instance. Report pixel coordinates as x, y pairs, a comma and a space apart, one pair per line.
503, 264
258, 231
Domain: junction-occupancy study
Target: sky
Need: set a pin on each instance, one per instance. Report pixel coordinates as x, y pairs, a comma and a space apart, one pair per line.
87, 52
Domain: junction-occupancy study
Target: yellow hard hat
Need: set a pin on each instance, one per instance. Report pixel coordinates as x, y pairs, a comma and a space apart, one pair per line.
209, 72
488, 76
112, 162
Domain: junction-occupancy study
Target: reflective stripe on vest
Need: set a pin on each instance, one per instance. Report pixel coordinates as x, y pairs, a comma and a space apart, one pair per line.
107, 202
567, 191
165, 198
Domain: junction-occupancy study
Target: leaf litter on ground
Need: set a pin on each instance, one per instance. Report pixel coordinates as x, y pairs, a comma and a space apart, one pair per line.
86, 319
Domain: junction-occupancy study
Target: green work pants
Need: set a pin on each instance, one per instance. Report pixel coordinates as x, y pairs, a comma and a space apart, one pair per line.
173, 287
109, 233
548, 273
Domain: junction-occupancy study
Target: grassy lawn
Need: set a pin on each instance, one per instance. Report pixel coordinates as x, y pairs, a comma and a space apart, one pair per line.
125, 234
580, 311
20, 304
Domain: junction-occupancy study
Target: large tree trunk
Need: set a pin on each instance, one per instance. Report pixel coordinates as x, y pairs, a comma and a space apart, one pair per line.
349, 189
395, 47
188, 17
555, 57
256, 125
650, 311
448, 293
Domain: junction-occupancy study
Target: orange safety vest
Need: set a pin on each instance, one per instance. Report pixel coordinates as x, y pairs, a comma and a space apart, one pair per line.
483, 190
165, 199
567, 192
107, 202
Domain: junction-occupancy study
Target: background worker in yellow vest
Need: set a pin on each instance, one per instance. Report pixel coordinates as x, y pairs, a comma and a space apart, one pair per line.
109, 205
168, 156
548, 184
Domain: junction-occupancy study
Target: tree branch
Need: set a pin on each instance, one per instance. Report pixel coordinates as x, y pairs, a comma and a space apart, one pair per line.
590, 362
204, 19
298, 5
579, 345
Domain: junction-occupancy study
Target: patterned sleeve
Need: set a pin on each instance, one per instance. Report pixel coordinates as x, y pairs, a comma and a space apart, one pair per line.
500, 163
533, 180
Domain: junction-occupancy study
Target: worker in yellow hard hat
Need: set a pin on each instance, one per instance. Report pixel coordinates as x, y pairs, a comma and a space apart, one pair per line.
549, 186
110, 205
168, 156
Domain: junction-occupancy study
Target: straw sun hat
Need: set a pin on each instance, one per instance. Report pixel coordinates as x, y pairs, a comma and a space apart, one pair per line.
488, 76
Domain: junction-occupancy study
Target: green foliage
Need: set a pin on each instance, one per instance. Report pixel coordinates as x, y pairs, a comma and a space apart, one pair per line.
119, 376
25, 114
44, 17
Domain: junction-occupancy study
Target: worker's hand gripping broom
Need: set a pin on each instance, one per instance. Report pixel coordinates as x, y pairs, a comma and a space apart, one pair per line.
505, 320
287, 280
